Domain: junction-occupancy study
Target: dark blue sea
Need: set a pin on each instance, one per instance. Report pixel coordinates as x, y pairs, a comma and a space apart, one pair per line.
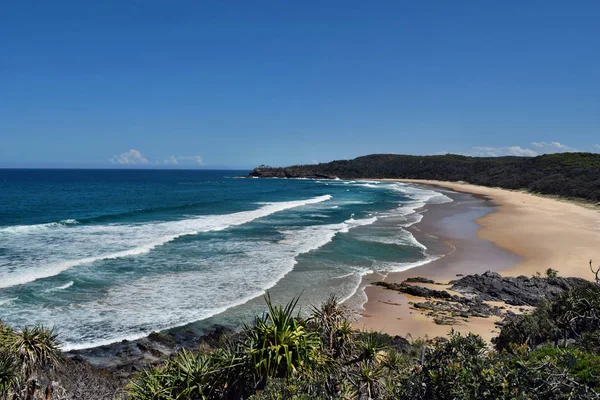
107, 255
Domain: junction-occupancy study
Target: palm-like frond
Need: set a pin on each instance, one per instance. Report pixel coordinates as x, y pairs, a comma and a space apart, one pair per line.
7, 335
370, 346
153, 383
331, 320
279, 345
36, 348
9, 372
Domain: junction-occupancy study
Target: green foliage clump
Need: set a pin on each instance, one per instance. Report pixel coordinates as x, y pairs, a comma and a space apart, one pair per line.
574, 317
24, 354
283, 356
583, 367
279, 344
552, 353
551, 273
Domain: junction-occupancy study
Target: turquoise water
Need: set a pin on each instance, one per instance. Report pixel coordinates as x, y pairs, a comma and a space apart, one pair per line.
107, 255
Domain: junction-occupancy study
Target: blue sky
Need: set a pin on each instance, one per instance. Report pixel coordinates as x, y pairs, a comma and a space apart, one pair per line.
223, 83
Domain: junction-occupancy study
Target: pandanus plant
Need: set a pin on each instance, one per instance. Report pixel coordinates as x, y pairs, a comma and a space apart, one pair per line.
279, 344
23, 355
331, 321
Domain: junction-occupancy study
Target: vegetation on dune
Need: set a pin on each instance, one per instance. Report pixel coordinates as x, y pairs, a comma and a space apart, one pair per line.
551, 353
567, 174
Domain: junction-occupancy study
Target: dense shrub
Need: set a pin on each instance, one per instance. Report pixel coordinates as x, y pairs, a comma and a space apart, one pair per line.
574, 317
24, 355
551, 353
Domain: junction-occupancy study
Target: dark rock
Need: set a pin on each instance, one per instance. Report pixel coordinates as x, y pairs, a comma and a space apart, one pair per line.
159, 337
123, 358
519, 291
270, 172
400, 344
418, 291
419, 279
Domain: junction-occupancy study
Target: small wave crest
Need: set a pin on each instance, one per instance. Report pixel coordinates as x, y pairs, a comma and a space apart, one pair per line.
62, 287
7, 301
16, 229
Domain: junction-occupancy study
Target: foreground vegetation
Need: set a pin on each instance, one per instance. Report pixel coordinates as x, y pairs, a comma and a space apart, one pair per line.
568, 174
552, 353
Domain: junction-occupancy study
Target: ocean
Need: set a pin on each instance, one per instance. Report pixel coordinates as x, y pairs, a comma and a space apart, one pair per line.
108, 255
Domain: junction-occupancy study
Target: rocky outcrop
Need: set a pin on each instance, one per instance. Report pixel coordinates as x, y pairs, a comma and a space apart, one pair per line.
419, 279
475, 290
125, 358
445, 308
291, 172
517, 291
418, 291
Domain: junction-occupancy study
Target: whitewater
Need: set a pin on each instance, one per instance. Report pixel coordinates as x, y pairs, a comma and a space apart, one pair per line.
107, 256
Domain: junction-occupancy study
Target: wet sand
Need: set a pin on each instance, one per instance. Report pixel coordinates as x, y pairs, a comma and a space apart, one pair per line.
509, 232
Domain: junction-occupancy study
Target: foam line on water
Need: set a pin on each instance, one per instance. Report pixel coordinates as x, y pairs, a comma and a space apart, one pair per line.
166, 301
37, 227
7, 301
136, 238
62, 287
140, 335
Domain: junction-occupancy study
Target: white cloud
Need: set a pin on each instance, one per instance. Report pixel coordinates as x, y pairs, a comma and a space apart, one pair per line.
552, 147
538, 148
597, 147
195, 159
131, 157
171, 160
501, 151
135, 157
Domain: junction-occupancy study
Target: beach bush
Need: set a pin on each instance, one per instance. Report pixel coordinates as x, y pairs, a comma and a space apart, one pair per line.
551, 273
279, 344
284, 356
24, 355
572, 318
551, 353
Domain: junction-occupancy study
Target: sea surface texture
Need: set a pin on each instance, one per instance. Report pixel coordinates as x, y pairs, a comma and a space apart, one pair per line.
107, 255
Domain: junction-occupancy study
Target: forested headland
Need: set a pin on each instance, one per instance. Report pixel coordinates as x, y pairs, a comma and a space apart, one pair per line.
573, 175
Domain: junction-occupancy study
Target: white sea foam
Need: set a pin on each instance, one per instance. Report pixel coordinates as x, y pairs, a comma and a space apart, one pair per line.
16, 229
62, 287
345, 275
357, 283
399, 267
400, 238
7, 301
50, 252
240, 271
352, 223
237, 271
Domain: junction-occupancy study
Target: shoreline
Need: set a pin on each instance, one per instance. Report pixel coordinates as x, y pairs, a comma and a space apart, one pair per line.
536, 232
461, 251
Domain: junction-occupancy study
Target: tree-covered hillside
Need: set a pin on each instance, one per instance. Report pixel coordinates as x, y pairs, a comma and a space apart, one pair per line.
567, 174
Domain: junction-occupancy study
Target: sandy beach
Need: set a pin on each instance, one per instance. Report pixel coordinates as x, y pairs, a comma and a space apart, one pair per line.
519, 234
